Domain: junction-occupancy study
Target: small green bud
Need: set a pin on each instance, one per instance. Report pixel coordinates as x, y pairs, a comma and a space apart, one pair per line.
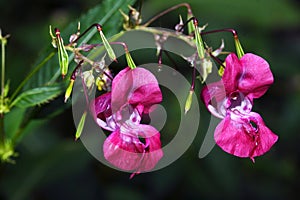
80, 126
106, 44
198, 40
221, 69
190, 24
188, 102
69, 90
238, 47
63, 56
129, 60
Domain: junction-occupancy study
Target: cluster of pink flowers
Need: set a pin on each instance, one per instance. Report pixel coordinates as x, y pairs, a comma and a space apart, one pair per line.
131, 146
136, 147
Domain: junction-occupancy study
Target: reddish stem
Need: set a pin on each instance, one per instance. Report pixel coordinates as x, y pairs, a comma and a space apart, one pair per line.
98, 26
235, 35
169, 10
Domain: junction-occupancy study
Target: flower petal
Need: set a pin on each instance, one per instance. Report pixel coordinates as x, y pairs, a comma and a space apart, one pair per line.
251, 75
123, 151
257, 76
101, 111
153, 148
135, 86
129, 153
232, 73
213, 96
235, 138
146, 95
121, 89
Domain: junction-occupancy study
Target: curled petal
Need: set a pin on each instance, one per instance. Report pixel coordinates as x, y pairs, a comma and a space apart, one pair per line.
135, 86
246, 138
146, 96
250, 75
257, 76
232, 73
213, 96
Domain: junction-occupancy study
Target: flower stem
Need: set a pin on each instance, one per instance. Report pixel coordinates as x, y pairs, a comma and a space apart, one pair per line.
3, 43
2, 68
167, 11
238, 46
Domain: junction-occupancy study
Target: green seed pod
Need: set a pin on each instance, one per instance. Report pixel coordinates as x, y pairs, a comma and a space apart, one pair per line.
63, 56
198, 39
106, 44
80, 126
188, 102
69, 90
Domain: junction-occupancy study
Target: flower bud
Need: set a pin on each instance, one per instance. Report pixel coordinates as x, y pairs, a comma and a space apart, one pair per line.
198, 40
188, 102
63, 57
238, 47
129, 60
69, 90
222, 69
80, 126
106, 44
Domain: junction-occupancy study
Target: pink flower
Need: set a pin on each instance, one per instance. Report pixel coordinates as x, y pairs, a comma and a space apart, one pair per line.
131, 146
241, 132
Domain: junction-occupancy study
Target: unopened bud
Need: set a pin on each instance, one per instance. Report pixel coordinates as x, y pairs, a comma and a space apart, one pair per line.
69, 90
238, 46
198, 40
106, 44
80, 126
129, 60
63, 56
221, 69
188, 102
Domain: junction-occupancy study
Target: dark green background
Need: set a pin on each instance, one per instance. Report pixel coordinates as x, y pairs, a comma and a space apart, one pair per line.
52, 166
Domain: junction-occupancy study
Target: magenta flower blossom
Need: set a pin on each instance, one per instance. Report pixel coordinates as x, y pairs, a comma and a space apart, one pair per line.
241, 131
131, 146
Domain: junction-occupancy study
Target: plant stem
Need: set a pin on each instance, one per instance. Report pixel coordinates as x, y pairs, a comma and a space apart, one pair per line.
3, 43
2, 69
167, 11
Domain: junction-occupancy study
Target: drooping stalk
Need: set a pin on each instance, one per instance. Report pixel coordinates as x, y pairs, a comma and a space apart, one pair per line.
167, 11
238, 46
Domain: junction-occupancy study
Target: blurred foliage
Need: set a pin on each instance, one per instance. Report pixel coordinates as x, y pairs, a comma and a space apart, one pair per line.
52, 166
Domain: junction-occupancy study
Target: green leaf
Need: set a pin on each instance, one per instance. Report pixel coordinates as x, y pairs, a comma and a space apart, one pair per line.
37, 96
